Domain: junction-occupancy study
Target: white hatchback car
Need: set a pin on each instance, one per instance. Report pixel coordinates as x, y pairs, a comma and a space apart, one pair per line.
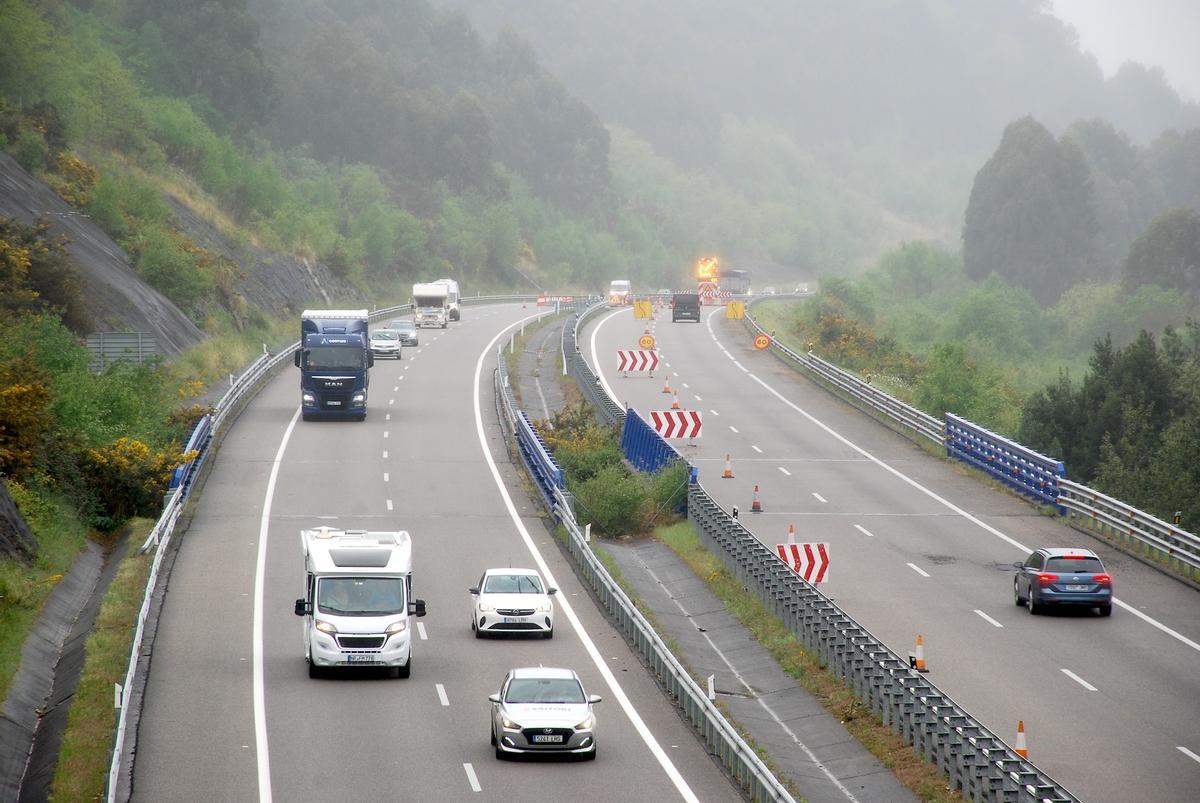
512, 601
543, 710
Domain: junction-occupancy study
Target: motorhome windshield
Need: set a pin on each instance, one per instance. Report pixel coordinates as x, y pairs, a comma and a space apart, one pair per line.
430, 301
334, 358
360, 596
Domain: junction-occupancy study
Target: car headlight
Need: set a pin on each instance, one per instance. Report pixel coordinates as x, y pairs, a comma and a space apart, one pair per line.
509, 724
544, 608
587, 724
397, 627
325, 627
359, 397
308, 397
486, 607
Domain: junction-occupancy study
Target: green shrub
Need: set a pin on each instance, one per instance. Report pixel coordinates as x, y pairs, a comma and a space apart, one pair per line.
30, 151
612, 500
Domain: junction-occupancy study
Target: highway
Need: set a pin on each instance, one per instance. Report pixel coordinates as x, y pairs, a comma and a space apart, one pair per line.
230, 712
920, 546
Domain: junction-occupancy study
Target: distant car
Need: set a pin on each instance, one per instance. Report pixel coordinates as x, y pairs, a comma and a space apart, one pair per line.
768, 291
512, 601
385, 343
543, 710
1062, 576
407, 330
685, 306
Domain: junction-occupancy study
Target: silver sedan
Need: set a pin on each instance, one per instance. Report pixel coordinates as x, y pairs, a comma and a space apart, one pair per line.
543, 710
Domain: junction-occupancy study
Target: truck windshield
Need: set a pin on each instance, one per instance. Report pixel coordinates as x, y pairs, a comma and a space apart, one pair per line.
334, 358
361, 596
430, 301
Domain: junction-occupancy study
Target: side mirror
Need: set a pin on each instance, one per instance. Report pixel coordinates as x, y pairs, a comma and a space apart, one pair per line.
417, 608
296, 358
595, 698
303, 607
495, 698
552, 591
474, 592
1018, 565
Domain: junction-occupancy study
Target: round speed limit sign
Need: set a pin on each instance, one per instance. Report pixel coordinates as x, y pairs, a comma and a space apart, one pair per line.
646, 341
761, 342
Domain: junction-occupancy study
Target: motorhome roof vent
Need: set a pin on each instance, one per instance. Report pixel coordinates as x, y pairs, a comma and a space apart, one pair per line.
360, 556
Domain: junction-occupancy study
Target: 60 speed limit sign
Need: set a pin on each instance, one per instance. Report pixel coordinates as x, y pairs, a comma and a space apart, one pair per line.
761, 342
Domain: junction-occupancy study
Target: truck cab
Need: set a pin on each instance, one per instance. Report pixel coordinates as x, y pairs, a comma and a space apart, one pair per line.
334, 361
618, 292
358, 600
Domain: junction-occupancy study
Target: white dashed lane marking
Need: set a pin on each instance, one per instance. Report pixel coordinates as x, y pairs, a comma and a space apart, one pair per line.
784, 470
733, 429
1078, 679
471, 779
820, 498
421, 631
988, 619
441, 690
864, 531
918, 569
755, 448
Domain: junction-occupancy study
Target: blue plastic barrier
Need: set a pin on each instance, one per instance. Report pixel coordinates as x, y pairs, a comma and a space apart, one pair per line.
644, 447
1022, 469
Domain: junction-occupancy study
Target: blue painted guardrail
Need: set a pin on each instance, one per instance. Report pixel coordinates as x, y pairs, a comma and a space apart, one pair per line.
645, 448
1029, 473
545, 471
197, 442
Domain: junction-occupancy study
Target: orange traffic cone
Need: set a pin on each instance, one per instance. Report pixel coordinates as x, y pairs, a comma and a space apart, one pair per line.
667, 384
756, 506
791, 534
728, 475
919, 656
675, 402
1022, 749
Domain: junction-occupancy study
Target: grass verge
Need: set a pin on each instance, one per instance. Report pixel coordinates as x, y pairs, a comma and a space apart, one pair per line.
84, 757
837, 697
24, 587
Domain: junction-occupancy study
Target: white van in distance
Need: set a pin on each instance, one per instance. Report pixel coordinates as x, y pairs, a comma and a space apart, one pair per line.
358, 599
618, 292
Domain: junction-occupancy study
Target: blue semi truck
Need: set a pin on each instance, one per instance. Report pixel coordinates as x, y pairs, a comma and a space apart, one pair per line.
334, 361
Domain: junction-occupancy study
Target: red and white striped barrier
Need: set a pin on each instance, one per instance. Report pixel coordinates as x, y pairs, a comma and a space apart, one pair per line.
676, 423
637, 360
810, 561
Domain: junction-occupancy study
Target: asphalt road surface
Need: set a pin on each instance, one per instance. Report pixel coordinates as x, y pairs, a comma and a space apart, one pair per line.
920, 546
230, 712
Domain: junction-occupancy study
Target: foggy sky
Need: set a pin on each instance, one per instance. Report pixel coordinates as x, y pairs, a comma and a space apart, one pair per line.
1159, 33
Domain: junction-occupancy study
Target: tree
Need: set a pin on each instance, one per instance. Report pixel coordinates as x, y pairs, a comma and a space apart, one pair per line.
1029, 217
1167, 253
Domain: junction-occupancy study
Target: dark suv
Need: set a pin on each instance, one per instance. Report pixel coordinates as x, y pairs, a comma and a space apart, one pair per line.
1057, 576
686, 306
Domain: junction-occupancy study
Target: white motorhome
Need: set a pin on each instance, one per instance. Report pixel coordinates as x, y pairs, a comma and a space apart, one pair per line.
358, 601
452, 298
431, 306
618, 292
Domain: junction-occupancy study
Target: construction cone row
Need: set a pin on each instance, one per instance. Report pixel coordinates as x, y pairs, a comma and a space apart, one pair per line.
1022, 749
667, 385
756, 506
919, 656
675, 402
791, 539
728, 475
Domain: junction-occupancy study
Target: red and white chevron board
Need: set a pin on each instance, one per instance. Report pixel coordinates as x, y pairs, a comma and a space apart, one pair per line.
637, 360
676, 423
810, 561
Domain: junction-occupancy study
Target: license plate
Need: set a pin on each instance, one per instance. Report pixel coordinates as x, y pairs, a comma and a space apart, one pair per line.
542, 738
360, 659
509, 620
334, 403
1077, 588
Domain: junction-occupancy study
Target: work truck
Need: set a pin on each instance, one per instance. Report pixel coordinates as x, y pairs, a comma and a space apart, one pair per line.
334, 359
431, 305
358, 600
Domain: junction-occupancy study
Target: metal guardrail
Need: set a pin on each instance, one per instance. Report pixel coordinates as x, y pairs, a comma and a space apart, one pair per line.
978, 764
721, 738
859, 389
1133, 528
1028, 472
589, 384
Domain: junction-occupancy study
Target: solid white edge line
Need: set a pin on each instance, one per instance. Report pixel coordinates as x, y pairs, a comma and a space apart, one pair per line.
950, 505
471, 779
1078, 679
596, 360
261, 747
623, 700
864, 531
1187, 753
917, 569
441, 692
988, 619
